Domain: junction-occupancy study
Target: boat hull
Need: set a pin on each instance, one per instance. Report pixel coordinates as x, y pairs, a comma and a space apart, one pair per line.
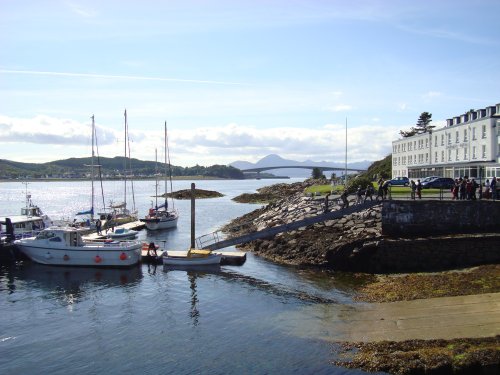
211, 259
125, 235
157, 224
98, 255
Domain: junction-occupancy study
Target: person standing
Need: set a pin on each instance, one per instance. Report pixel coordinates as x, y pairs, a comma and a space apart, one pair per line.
345, 201
98, 227
419, 189
413, 188
359, 195
369, 192
493, 188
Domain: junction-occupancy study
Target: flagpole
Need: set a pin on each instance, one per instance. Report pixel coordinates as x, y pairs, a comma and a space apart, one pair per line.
345, 173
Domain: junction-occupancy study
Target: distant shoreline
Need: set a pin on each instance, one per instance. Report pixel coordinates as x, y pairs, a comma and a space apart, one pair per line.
179, 178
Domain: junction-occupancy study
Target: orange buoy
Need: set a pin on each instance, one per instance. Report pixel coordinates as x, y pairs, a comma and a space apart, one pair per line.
123, 256
97, 259
66, 257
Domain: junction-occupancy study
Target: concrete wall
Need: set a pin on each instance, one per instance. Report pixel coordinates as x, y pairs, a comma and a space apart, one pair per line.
401, 218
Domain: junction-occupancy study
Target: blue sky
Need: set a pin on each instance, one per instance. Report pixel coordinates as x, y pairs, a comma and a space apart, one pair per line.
238, 80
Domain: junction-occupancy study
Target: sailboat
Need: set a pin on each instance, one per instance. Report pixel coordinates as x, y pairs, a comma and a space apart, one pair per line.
120, 213
90, 223
162, 217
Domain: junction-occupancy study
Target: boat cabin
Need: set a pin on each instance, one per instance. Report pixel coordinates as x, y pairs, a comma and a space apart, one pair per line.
63, 236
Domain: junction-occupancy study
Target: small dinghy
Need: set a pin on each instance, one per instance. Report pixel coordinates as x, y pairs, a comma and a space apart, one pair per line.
193, 257
122, 234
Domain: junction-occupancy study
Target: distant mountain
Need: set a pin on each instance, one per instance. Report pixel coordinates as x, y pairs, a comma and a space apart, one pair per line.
274, 160
110, 168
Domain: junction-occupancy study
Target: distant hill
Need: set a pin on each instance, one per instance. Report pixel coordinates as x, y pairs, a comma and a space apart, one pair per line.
274, 160
110, 168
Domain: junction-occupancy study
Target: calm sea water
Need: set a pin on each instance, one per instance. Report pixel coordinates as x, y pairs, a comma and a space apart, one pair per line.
151, 320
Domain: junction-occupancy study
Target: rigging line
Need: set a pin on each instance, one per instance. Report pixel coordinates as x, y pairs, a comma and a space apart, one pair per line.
125, 163
130, 168
169, 166
99, 169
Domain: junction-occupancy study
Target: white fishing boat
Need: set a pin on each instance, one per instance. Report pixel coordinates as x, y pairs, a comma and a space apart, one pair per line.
31, 221
58, 246
192, 257
122, 234
162, 216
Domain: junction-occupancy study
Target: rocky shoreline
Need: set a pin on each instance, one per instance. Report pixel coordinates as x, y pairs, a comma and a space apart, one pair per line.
347, 241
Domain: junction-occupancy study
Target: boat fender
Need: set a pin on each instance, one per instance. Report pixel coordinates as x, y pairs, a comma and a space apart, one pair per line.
97, 259
123, 256
48, 255
66, 257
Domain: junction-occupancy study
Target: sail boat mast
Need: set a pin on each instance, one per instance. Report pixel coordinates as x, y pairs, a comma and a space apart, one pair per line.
92, 172
169, 168
125, 162
165, 148
156, 182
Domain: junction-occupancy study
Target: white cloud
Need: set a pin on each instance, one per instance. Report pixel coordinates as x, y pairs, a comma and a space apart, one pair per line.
431, 94
202, 145
341, 108
80, 10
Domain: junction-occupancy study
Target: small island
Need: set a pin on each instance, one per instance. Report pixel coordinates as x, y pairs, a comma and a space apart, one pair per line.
199, 194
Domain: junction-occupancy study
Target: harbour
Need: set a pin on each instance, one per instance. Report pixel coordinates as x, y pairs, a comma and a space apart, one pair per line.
151, 318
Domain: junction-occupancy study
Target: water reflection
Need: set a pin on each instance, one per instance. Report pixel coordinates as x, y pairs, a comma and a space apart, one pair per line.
193, 273
66, 284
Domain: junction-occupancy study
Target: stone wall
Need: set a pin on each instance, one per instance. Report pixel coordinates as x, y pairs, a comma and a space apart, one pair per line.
392, 255
433, 217
401, 236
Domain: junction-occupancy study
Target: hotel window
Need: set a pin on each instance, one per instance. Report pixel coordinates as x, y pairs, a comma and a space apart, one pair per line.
399, 148
442, 156
465, 153
483, 152
435, 157
427, 157
426, 143
404, 147
414, 145
404, 160
457, 137
414, 159
473, 134
409, 160
484, 131
449, 138
473, 152
449, 155
435, 141
442, 139
465, 135
420, 158
409, 146
456, 154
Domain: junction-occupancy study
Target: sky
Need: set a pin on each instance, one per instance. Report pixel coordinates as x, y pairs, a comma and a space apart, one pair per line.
238, 80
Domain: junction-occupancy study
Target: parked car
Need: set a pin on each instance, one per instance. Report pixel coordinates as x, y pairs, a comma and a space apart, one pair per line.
430, 178
399, 181
439, 183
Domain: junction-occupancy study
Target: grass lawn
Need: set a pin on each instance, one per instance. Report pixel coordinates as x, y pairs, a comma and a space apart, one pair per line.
400, 191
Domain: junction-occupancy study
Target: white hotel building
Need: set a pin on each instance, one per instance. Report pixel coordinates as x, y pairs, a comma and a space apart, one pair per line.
469, 145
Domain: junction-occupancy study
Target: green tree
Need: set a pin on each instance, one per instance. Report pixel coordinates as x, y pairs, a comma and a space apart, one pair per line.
317, 173
421, 127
